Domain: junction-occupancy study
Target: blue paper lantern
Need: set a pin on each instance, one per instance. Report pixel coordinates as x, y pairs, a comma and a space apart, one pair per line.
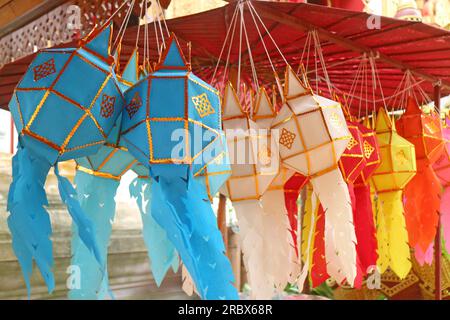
64, 108
172, 125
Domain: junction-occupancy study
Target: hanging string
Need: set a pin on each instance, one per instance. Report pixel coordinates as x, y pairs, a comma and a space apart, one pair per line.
161, 31
229, 49
253, 13
252, 64
123, 26
232, 24
157, 37
163, 18
318, 46
307, 46
139, 25
114, 14
238, 89
146, 39
267, 31
352, 91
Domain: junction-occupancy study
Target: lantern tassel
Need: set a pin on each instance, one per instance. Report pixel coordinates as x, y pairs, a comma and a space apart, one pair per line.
422, 205
314, 242
319, 272
29, 221
85, 227
252, 230
161, 251
382, 235
96, 197
445, 217
283, 266
191, 226
398, 249
340, 238
364, 227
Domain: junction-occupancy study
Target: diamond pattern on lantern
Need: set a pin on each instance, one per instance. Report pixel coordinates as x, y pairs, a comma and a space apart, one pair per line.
134, 105
431, 127
368, 149
44, 70
352, 143
202, 105
107, 106
264, 155
287, 138
401, 157
336, 121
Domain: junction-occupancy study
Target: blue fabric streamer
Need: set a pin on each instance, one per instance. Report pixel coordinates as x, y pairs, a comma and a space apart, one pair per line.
161, 252
192, 227
29, 221
96, 197
85, 227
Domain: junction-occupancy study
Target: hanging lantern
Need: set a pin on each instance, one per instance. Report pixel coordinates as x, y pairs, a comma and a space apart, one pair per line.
397, 168
172, 125
442, 169
253, 170
422, 194
313, 135
63, 108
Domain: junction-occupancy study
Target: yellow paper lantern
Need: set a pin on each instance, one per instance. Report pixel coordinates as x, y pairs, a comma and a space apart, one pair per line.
397, 168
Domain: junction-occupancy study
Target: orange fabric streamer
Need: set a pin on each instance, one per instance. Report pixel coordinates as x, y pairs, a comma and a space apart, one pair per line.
421, 195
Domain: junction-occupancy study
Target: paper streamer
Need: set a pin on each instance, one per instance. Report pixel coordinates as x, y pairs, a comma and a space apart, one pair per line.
292, 189
397, 236
422, 204
161, 252
191, 226
29, 221
281, 258
340, 238
252, 231
365, 227
96, 197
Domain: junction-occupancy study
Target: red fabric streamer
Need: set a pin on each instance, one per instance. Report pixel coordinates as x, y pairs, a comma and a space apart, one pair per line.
319, 266
292, 189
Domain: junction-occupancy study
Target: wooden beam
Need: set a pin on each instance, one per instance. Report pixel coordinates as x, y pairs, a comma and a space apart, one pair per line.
304, 26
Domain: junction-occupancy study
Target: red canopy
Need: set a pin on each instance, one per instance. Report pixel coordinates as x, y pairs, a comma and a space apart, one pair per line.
344, 36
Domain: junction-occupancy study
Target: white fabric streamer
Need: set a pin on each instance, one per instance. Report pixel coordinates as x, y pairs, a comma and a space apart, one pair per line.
340, 238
